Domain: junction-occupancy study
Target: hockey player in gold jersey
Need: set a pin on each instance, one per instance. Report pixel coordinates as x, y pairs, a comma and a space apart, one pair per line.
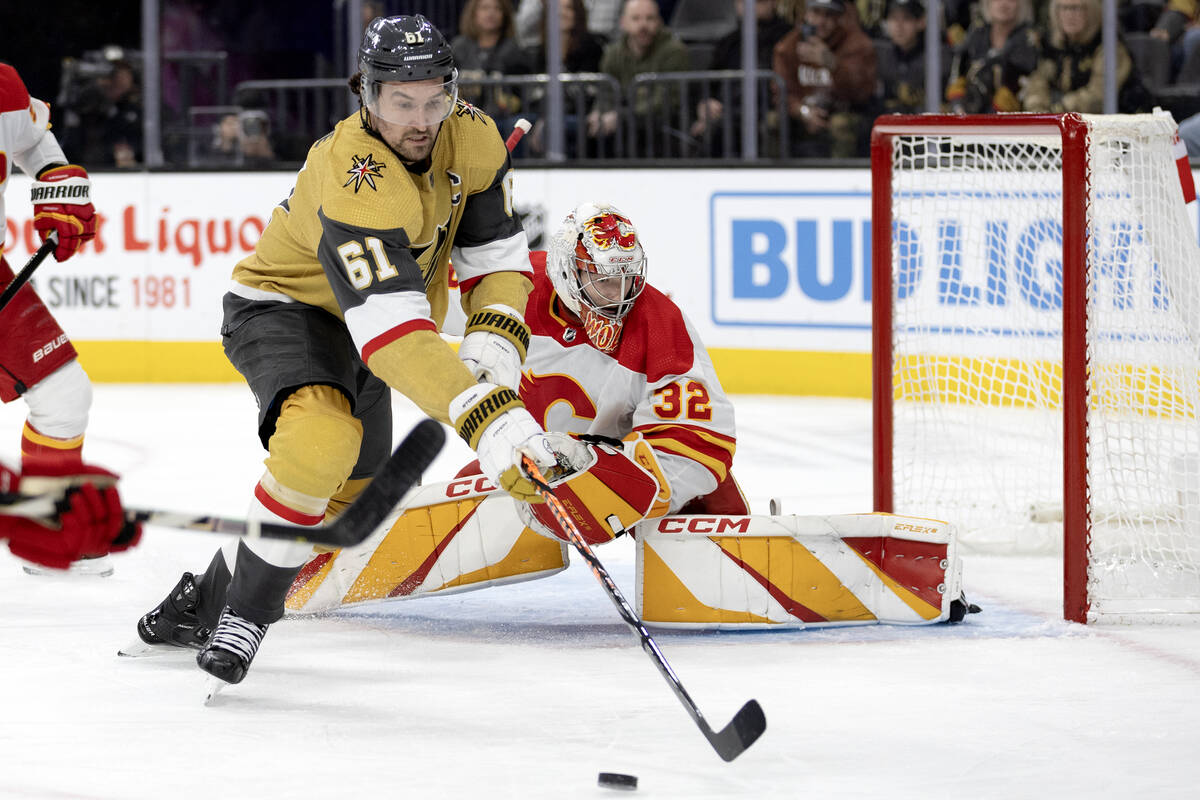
342, 301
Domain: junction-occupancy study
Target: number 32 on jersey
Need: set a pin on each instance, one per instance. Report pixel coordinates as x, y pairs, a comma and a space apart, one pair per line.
686, 398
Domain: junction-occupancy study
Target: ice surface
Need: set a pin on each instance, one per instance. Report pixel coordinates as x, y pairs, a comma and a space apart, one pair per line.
529, 691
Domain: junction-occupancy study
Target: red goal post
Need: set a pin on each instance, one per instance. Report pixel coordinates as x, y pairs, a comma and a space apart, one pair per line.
999, 244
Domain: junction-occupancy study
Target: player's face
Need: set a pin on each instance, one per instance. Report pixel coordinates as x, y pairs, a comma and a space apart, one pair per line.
408, 116
603, 291
607, 292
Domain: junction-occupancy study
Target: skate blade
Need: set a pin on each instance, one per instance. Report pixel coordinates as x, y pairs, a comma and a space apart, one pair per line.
139, 649
85, 568
212, 687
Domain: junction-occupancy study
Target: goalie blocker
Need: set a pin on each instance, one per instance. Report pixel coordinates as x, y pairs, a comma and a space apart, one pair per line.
730, 572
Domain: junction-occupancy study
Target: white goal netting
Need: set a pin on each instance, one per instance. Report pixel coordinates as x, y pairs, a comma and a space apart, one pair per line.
977, 369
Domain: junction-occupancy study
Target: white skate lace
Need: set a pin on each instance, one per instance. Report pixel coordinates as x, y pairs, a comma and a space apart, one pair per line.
237, 635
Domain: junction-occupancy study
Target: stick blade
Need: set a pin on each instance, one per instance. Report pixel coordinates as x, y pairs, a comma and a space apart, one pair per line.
742, 731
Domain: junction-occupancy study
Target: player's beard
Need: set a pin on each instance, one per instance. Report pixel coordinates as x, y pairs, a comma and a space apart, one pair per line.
415, 144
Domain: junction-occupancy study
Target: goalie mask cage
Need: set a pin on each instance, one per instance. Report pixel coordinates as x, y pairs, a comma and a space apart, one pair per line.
1036, 347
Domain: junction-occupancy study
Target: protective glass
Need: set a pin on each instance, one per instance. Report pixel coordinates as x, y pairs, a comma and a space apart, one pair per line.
413, 104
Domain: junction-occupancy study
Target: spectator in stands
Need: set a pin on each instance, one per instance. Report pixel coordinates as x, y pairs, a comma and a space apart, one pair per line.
727, 55
241, 139
581, 52
486, 46
122, 124
989, 65
904, 80
1070, 72
1179, 25
828, 66
602, 16
581, 49
646, 45
101, 110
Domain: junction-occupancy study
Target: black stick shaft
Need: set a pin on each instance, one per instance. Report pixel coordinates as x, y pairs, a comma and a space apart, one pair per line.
747, 725
26, 272
399, 473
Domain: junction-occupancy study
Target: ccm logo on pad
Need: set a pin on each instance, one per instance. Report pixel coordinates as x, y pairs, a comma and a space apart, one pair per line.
465, 486
704, 524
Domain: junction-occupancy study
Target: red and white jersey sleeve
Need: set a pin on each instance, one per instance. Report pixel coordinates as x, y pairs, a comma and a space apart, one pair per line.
25, 138
659, 382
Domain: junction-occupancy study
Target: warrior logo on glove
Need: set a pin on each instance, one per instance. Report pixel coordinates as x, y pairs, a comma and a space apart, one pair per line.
62, 201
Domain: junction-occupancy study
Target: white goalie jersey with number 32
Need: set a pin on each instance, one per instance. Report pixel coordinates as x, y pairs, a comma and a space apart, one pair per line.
658, 382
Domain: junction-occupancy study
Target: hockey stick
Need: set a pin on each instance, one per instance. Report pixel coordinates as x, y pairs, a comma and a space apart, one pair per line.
747, 724
26, 272
400, 473
521, 128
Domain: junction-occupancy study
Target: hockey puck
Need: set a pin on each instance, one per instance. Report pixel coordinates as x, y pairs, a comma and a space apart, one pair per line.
617, 780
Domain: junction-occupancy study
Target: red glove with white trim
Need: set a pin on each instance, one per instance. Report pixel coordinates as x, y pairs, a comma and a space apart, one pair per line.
62, 201
71, 517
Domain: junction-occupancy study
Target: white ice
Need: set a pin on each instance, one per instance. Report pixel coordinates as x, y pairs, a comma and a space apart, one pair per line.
529, 691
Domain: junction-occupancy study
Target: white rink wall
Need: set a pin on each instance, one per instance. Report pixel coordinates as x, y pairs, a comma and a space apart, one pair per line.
771, 265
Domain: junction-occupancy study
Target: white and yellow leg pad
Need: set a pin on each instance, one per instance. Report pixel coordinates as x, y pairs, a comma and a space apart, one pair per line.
795, 572
444, 538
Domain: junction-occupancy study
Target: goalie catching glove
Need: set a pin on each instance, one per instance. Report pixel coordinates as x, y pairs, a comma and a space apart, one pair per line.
62, 201
610, 487
495, 344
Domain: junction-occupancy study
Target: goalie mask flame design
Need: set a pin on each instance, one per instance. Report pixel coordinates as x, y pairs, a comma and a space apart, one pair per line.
598, 269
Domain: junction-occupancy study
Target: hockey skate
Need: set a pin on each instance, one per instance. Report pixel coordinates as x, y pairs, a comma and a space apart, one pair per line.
92, 566
172, 623
231, 647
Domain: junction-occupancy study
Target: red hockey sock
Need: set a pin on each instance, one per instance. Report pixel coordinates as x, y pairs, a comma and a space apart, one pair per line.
38, 449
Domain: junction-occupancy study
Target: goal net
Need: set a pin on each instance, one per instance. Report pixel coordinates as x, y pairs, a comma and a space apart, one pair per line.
1037, 347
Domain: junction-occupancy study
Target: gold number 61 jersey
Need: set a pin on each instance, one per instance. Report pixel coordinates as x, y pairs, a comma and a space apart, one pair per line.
369, 239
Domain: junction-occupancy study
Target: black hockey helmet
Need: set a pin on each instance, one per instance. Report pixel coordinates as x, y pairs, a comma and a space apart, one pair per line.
403, 49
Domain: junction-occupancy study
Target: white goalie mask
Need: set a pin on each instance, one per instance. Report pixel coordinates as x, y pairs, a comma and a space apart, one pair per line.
598, 269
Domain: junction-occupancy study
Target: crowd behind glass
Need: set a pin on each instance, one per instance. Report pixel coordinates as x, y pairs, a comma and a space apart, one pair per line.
641, 78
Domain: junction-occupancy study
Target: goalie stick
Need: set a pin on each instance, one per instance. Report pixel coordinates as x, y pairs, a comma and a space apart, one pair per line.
400, 473
747, 724
34, 262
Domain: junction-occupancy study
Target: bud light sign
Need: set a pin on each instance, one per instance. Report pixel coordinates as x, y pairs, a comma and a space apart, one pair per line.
986, 260
793, 259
